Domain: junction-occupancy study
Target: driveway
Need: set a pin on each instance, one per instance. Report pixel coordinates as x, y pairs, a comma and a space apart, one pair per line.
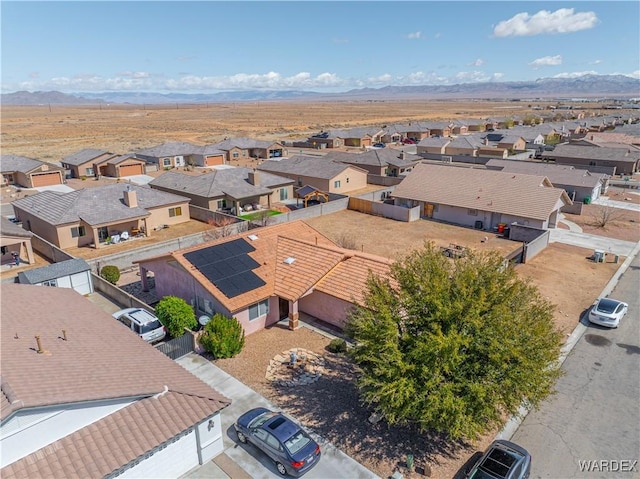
604, 201
138, 179
589, 241
334, 463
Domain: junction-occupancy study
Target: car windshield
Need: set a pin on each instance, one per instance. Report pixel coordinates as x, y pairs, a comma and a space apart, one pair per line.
607, 306
152, 326
297, 442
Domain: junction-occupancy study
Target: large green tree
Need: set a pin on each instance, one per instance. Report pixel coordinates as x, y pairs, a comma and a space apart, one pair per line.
453, 345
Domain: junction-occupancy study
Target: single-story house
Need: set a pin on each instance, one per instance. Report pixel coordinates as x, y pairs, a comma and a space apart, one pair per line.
579, 184
413, 131
464, 145
512, 142
323, 174
15, 242
72, 273
480, 198
267, 274
121, 166
360, 137
439, 128
626, 161
178, 154
459, 127
435, 145
83, 396
98, 215
229, 190
29, 173
381, 162
236, 148
82, 163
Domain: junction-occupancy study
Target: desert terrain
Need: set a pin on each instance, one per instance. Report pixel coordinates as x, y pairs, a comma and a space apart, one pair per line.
51, 132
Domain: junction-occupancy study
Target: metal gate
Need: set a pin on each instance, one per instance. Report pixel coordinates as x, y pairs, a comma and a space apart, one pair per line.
178, 347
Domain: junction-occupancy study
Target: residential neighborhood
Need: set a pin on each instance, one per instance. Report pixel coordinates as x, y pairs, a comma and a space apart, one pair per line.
291, 241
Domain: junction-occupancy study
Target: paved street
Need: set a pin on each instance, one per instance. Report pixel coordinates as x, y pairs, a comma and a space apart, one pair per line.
589, 241
595, 414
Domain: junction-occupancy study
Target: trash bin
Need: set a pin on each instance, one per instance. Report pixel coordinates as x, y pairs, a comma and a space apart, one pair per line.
598, 256
587, 200
501, 227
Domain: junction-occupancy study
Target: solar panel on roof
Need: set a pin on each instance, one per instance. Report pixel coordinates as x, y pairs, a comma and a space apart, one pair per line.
228, 266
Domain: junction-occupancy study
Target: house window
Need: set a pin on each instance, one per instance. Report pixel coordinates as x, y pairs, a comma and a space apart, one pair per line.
258, 309
299, 181
472, 212
222, 204
235, 154
77, 231
177, 211
283, 194
88, 171
52, 282
166, 162
3, 250
336, 184
204, 305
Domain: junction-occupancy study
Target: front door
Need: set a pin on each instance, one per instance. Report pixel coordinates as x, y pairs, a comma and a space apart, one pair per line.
427, 210
283, 306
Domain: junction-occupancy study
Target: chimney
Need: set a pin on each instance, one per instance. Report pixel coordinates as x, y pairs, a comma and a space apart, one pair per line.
39, 343
254, 177
402, 155
130, 198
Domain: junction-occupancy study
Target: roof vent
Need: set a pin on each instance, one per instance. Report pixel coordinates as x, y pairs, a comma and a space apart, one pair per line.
253, 237
289, 260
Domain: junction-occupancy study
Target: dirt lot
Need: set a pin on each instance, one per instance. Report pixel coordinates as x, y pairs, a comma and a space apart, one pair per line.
49, 133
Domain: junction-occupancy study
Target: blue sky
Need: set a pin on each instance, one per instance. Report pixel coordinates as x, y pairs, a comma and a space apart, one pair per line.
207, 46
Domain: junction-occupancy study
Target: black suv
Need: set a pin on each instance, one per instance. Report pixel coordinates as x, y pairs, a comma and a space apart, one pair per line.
502, 460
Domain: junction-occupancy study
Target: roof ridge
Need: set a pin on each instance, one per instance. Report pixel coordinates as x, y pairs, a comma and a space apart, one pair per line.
347, 253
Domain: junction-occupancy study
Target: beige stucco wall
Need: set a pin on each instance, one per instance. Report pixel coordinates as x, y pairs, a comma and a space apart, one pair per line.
350, 179
450, 150
160, 216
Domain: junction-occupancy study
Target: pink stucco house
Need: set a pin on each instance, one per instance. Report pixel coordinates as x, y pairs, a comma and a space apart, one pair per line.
267, 274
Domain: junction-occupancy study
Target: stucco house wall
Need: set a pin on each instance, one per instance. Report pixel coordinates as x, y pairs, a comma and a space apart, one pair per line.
452, 150
328, 308
463, 217
350, 180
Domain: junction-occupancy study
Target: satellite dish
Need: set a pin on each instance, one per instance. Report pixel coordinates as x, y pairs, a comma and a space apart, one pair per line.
203, 320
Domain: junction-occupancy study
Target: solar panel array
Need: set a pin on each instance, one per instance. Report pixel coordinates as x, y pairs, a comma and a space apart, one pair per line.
228, 266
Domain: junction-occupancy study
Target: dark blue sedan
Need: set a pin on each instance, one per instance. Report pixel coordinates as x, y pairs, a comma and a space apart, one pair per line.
284, 441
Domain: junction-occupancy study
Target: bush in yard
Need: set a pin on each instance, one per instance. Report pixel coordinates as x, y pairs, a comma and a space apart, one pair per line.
337, 346
223, 337
176, 315
110, 273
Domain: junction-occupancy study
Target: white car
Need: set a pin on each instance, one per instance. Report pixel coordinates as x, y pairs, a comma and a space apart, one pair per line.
608, 312
143, 323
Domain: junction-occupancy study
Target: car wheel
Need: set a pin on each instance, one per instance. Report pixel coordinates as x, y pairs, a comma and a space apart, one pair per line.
241, 437
281, 469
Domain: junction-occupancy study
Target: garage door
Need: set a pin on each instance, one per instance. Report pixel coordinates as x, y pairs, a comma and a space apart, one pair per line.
130, 170
214, 160
46, 179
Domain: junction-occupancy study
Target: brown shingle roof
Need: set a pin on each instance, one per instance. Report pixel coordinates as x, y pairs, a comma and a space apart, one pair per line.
527, 196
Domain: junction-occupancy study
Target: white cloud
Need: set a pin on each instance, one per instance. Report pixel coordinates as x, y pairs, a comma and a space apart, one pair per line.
437, 35
546, 61
596, 62
414, 35
563, 20
476, 63
574, 74
635, 74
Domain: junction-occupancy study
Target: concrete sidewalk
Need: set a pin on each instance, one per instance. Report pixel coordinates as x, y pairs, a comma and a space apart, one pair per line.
251, 461
604, 201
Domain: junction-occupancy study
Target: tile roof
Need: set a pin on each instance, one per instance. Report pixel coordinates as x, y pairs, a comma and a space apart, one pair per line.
84, 155
95, 206
117, 440
243, 143
8, 228
11, 163
52, 271
485, 190
172, 148
233, 182
557, 174
117, 159
88, 367
439, 141
313, 166
625, 154
380, 157
315, 256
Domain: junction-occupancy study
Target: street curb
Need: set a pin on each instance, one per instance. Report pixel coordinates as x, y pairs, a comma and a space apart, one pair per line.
512, 425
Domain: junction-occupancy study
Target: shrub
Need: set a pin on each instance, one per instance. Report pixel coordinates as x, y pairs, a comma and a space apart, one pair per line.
176, 315
337, 346
223, 337
110, 273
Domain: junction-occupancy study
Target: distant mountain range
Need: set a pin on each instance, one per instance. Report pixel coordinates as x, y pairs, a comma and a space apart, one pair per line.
587, 86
